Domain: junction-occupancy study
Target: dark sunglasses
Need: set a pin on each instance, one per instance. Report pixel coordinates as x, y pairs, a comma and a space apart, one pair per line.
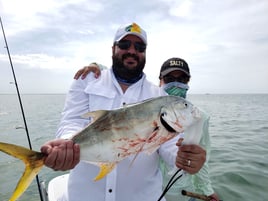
125, 44
169, 78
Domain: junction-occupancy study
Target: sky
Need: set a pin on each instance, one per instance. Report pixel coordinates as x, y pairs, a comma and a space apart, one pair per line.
225, 42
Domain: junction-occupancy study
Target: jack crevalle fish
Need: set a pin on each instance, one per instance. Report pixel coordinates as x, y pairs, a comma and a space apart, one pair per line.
116, 134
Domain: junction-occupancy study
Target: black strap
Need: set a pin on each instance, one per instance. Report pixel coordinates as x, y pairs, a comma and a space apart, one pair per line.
171, 181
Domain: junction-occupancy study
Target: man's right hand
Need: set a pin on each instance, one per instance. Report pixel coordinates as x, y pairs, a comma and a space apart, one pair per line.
61, 154
86, 70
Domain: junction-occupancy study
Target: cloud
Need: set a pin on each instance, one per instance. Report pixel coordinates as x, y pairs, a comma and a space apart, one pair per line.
181, 8
219, 39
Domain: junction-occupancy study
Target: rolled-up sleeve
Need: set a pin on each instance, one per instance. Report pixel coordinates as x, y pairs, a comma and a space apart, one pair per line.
201, 180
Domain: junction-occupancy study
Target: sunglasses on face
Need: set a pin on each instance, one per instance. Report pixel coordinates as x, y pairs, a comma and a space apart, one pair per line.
126, 44
169, 78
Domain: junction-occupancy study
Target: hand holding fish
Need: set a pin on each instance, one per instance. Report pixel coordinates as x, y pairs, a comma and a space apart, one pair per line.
61, 154
190, 157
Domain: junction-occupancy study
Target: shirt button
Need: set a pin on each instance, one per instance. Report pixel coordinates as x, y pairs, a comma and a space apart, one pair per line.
110, 190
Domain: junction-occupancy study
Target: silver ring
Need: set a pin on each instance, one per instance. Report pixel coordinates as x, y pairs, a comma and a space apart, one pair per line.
189, 163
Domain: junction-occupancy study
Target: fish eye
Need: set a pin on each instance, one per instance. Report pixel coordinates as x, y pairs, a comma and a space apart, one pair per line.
163, 114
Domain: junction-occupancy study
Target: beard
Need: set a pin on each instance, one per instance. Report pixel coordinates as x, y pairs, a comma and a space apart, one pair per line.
124, 72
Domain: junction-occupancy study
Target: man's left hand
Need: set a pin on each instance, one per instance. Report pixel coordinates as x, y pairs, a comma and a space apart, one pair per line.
190, 158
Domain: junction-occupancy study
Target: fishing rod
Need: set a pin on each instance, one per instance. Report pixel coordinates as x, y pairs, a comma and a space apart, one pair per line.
21, 106
196, 195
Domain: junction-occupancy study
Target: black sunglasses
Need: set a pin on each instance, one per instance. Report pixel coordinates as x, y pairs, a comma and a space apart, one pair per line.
169, 78
125, 44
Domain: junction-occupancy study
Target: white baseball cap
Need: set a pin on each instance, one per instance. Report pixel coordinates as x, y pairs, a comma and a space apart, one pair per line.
130, 29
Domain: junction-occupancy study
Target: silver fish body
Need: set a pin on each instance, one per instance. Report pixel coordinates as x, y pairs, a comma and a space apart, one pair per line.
117, 134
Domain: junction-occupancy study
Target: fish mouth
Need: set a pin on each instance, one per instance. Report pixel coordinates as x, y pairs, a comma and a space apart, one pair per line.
165, 124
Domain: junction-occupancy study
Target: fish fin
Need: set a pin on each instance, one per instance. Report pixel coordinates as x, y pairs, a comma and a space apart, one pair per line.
105, 168
147, 151
132, 161
95, 114
151, 150
33, 160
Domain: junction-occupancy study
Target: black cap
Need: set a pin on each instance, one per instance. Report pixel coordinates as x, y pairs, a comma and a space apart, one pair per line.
173, 64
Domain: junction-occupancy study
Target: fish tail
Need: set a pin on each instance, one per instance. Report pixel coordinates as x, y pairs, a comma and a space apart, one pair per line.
33, 160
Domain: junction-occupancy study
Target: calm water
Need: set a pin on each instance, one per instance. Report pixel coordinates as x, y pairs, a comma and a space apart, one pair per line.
238, 127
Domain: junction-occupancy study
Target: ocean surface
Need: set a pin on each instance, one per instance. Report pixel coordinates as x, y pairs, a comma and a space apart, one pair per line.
238, 129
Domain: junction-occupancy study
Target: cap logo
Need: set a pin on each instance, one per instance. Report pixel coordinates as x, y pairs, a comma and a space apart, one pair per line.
133, 28
175, 63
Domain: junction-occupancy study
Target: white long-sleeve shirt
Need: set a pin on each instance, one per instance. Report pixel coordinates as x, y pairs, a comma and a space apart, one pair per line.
140, 181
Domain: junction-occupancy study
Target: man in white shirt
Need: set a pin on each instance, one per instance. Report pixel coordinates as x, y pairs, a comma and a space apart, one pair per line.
124, 83
174, 79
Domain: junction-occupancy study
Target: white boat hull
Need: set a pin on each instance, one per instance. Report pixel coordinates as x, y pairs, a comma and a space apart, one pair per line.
57, 187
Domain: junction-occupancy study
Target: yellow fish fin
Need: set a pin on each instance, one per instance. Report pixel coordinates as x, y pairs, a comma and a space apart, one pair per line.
95, 114
105, 168
33, 160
